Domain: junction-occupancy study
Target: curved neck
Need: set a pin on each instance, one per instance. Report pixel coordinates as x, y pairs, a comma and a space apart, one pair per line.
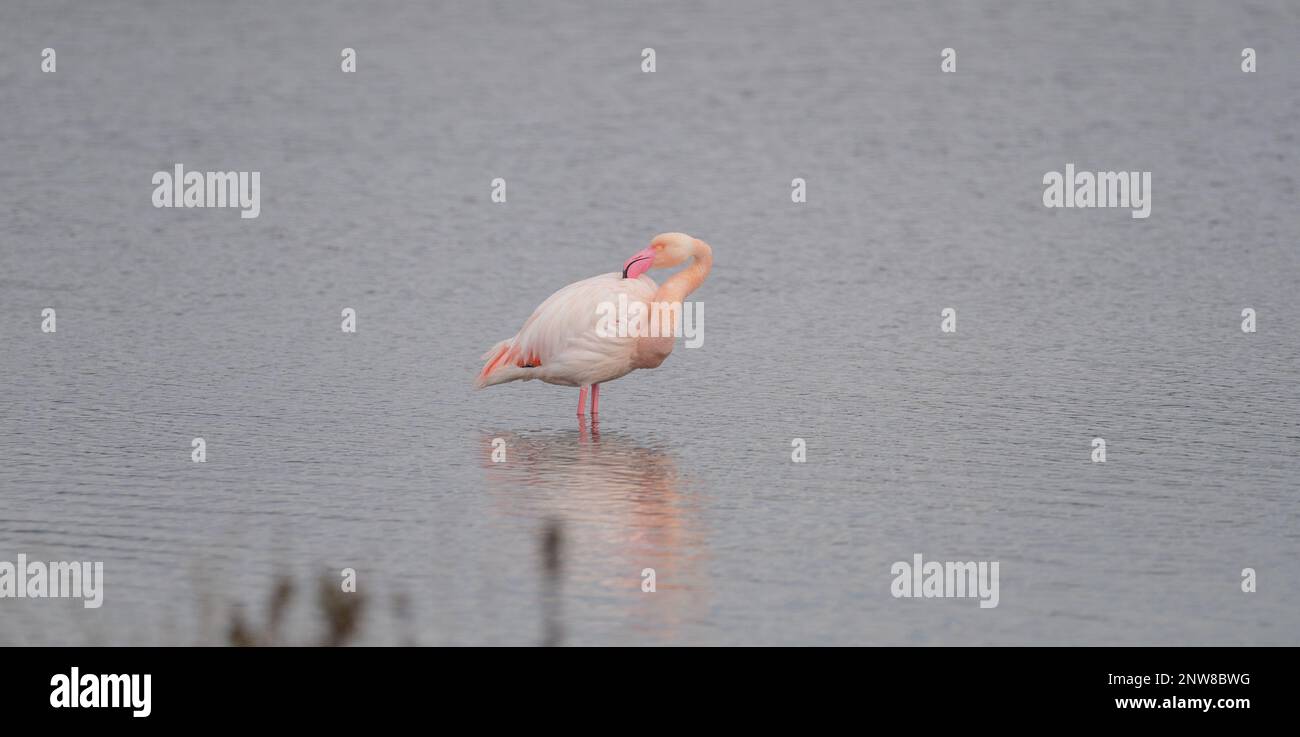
652, 350
680, 285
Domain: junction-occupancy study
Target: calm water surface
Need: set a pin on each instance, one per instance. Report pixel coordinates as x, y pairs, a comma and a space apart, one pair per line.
371, 451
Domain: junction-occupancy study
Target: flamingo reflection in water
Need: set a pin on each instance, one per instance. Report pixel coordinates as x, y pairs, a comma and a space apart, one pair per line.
624, 506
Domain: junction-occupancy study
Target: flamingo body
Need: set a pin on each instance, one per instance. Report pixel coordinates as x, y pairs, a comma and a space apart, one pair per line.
563, 343
559, 344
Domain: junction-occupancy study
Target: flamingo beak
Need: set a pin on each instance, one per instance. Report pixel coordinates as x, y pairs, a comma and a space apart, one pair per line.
639, 264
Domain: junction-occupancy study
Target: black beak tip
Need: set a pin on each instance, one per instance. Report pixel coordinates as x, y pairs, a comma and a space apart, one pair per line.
629, 264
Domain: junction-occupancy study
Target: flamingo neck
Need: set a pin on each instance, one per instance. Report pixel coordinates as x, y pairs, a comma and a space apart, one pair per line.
652, 350
680, 285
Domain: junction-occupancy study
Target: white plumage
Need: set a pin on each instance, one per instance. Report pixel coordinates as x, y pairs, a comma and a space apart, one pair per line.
559, 343
572, 339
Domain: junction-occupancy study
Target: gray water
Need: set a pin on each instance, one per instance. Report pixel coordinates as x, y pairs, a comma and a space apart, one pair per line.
372, 451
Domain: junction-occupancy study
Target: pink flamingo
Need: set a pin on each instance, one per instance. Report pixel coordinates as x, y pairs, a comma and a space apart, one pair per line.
561, 343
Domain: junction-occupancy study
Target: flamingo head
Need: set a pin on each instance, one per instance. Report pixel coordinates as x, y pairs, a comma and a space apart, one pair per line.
665, 251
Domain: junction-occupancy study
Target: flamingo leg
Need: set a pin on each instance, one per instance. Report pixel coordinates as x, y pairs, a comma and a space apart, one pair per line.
595, 399
582, 401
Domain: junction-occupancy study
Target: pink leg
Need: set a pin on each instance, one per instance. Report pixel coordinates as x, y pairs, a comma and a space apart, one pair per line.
595, 399
582, 401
